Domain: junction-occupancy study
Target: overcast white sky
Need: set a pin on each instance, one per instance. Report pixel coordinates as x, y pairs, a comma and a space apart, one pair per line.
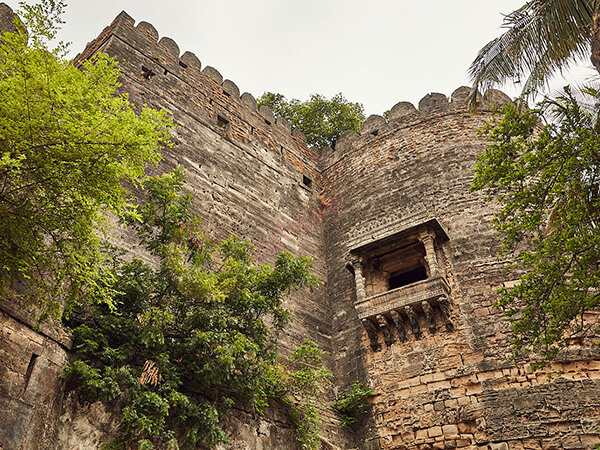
377, 52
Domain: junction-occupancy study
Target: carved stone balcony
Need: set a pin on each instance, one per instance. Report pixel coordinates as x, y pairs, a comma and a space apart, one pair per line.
394, 313
400, 284
396, 299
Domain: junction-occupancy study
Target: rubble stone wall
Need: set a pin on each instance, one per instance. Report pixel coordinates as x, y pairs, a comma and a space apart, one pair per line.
249, 173
31, 389
448, 388
439, 370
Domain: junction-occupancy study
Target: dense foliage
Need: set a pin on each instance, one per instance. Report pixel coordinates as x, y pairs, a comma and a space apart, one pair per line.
547, 180
321, 120
352, 403
67, 145
189, 334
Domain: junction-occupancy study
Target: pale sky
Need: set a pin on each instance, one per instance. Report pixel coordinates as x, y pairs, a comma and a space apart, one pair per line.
376, 52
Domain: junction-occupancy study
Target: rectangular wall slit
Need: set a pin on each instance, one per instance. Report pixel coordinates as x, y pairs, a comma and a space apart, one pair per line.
29, 370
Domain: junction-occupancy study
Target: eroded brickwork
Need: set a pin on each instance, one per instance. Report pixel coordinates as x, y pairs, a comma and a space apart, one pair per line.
405, 250
438, 387
30, 386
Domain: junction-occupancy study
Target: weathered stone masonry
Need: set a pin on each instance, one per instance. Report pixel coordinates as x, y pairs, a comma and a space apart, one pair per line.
405, 250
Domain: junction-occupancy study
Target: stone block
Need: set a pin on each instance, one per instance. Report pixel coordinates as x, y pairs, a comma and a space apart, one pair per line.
499, 446
435, 431
450, 429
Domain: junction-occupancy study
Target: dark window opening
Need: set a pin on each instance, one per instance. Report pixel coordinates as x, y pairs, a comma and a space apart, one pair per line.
375, 133
306, 181
29, 370
227, 93
267, 122
406, 278
182, 64
222, 121
147, 73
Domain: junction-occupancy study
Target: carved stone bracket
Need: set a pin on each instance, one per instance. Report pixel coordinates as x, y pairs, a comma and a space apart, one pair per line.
372, 333
429, 316
414, 322
397, 319
444, 305
388, 335
394, 325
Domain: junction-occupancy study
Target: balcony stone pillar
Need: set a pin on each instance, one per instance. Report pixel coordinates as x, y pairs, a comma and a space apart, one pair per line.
359, 279
427, 237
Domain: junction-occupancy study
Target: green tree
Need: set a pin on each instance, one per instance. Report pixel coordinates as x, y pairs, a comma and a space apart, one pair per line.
352, 403
542, 37
321, 120
547, 179
67, 146
187, 336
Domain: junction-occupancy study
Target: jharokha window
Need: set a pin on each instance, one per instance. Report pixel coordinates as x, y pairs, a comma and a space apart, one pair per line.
401, 287
395, 269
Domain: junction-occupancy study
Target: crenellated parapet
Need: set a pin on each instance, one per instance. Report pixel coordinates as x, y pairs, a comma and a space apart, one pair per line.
159, 66
431, 107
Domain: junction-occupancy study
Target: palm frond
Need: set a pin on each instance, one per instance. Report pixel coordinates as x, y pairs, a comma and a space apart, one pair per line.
542, 37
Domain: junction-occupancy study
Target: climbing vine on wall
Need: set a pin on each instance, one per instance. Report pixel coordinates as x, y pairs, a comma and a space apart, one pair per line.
300, 383
352, 403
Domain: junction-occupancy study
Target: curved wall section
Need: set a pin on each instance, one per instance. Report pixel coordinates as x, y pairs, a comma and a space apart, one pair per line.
434, 348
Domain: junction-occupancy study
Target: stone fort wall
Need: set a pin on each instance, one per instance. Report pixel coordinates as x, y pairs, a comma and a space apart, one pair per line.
449, 387
386, 205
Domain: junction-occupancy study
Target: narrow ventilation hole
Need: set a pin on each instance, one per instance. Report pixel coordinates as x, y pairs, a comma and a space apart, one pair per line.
182, 64
226, 93
374, 133
267, 122
306, 181
147, 73
222, 121
29, 370
166, 72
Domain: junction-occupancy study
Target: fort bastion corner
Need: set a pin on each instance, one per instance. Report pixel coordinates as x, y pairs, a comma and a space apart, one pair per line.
404, 248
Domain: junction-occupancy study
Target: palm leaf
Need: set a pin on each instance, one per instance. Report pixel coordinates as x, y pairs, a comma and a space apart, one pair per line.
542, 38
